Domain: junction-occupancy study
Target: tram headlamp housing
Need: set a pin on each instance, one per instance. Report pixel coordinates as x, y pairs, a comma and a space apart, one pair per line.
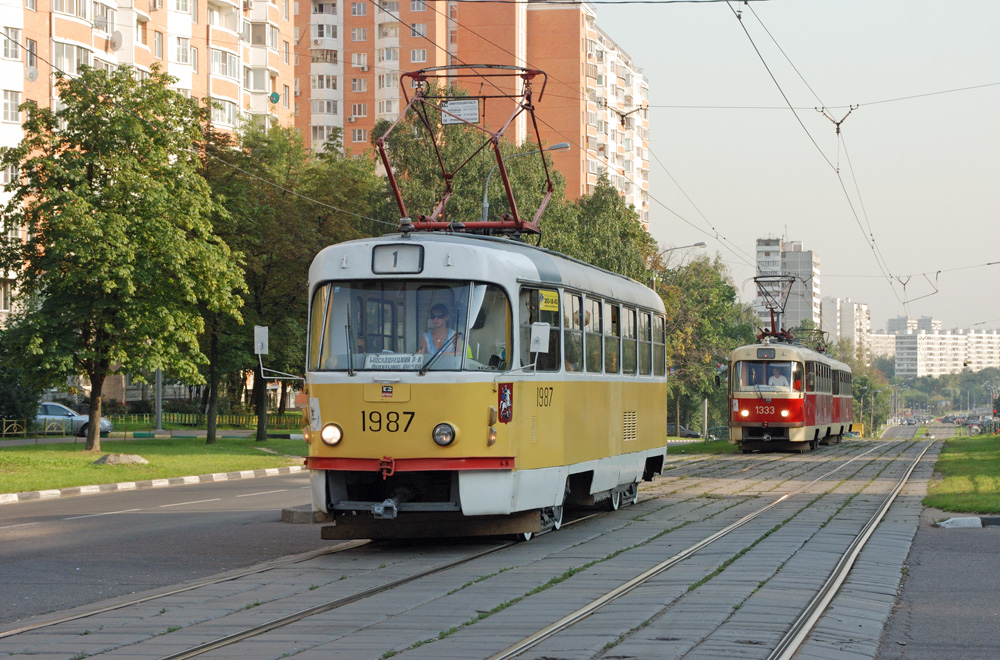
744, 413
331, 434
784, 413
443, 434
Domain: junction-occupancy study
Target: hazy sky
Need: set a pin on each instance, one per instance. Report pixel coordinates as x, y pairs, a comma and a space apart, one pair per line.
927, 167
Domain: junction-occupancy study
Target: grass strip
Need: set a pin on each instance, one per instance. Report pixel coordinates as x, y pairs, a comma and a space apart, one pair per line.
45, 467
969, 471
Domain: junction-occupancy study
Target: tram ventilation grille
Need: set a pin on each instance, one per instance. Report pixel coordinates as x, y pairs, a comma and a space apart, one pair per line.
628, 426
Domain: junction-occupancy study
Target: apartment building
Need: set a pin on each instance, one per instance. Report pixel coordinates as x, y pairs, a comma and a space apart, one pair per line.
935, 353
776, 256
845, 319
351, 57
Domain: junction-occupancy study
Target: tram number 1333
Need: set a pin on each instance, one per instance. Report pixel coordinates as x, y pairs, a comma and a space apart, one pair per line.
393, 422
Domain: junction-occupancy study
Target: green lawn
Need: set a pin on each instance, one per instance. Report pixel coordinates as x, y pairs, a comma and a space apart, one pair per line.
970, 471
699, 447
44, 467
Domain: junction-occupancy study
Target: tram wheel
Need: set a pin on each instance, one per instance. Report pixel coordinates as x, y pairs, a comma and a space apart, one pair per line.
523, 537
557, 516
632, 494
615, 501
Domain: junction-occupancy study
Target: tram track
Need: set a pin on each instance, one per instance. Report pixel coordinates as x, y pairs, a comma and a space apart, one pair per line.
740, 480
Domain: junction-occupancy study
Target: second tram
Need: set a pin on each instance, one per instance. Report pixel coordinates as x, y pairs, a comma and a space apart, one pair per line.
787, 396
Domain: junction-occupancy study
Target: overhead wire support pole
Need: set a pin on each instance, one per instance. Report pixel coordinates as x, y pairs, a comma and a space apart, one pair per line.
837, 123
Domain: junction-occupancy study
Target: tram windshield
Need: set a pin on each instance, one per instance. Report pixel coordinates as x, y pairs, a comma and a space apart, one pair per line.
769, 376
409, 325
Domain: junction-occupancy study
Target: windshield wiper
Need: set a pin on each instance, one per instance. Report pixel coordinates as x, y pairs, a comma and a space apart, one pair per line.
427, 365
350, 348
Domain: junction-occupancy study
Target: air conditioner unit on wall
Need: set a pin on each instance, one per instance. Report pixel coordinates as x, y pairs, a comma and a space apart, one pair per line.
350, 119
315, 42
364, 68
247, 5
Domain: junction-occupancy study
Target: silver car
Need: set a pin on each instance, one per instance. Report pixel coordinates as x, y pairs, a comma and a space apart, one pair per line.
57, 418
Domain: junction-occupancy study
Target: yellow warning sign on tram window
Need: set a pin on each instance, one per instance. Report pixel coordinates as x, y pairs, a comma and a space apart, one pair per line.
548, 301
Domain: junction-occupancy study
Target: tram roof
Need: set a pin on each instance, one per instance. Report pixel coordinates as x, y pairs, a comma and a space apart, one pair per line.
787, 351
509, 259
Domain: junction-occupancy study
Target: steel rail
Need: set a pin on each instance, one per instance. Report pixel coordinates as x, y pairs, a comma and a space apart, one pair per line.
574, 617
803, 625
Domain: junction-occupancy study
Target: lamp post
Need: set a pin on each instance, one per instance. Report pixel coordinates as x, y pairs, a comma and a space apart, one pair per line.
699, 244
562, 146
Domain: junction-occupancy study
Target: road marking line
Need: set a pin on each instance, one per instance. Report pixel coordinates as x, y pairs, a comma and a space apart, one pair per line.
109, 513
266, 492
164, 506
20, 525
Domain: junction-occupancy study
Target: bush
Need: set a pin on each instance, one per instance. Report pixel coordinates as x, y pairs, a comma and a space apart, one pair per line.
185, 406
113, 407
142, 406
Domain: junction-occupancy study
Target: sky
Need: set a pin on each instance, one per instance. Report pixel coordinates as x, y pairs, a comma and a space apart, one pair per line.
908, 194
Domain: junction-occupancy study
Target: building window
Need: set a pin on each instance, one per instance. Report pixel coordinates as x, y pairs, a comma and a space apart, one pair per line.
359, 34
76, 8
225, 64
11, 100
418, 55
359, 9
68, 58
30, 4
324, 56
284, 96
359, 135
418, 5
31, 51
285, 50
183, 6
388, 54
7, 175
11, 47
5, 295
418, 30
158, 45
320, 134
359, 84
224, 112
388, 80
359, 59
324, 8
104, 18
194, 60
183, 54
386, 107
323, 107
359, 109
255, 80
324, 82
324, 31
389, 6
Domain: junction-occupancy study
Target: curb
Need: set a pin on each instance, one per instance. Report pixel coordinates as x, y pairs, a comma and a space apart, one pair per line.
967, 522
14, 498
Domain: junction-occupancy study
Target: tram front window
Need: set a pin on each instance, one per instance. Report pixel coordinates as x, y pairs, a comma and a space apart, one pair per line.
770, 376
409, 325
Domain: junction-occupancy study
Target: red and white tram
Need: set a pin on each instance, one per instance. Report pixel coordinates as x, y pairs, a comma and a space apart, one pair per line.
787, 396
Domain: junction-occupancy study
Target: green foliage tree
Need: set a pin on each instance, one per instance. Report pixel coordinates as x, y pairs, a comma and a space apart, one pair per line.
19, 397
705, 322
284, 205
120, 251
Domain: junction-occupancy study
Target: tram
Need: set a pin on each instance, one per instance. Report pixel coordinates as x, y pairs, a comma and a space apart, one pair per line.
784, 396
461, 381
544, 390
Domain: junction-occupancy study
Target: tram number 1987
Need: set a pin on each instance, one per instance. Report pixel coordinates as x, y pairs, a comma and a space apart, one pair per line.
393, 422
543, 397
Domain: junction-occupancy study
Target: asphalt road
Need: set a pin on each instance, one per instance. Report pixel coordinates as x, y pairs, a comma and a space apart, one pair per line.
69, 551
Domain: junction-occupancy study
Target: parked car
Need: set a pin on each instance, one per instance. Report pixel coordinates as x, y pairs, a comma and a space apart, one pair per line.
685, 432
57, 418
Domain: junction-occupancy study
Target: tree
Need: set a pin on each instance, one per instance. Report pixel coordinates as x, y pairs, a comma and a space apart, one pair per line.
19, 397
284, 205
120, 250
705, 322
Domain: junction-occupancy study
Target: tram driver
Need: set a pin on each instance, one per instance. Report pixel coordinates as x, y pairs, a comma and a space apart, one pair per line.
441, 337
777, 377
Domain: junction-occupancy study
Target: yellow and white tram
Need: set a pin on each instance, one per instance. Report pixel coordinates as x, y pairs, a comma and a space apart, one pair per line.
467, 384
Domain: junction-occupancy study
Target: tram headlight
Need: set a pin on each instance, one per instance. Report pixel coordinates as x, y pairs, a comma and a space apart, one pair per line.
744, 413
784, 413
331, 434
443, 434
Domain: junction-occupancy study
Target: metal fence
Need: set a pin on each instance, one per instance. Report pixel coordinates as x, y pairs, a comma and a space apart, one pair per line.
274, 421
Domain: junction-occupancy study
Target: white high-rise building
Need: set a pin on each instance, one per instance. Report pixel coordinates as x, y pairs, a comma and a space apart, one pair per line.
845, 319
935, 353
779, 257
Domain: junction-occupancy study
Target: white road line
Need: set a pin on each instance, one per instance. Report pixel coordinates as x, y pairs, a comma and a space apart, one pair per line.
164, 506
109, 513
20, 525
266, 492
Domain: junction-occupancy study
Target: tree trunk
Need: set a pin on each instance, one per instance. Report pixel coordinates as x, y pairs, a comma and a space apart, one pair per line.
213, 386
260, 396
94, 424
284, 396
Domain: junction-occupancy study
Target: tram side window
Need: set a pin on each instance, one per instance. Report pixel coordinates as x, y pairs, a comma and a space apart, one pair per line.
645, 344
628, 341
836, 383
540, 306
592, 336
612, 337
659, 346
489, 335
318, 350
811, 376
573, 332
